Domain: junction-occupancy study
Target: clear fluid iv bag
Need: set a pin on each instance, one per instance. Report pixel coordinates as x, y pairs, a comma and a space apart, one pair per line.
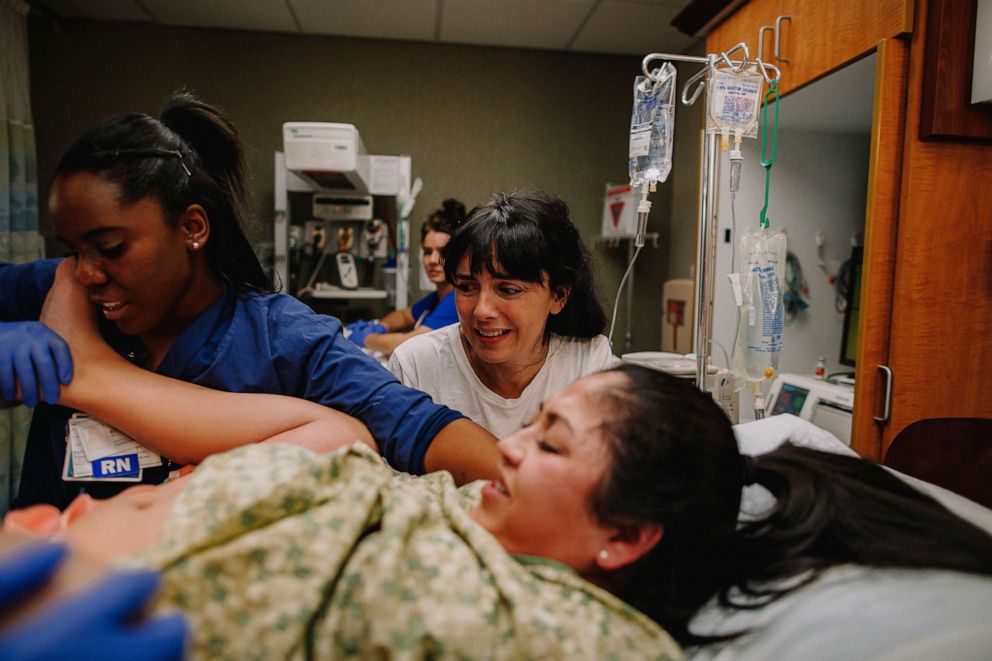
761, 316
652, 125
732, 103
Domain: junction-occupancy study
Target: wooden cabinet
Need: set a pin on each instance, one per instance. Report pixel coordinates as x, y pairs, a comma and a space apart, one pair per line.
927, 279
818, 36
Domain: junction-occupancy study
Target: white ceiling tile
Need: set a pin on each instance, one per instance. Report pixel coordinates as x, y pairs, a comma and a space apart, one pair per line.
270, 15
101, 10
521, 23
387, 19
634, 28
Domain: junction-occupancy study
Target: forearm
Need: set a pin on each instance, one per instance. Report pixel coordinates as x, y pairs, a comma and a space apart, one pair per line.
398, 320
187, 422
387, 342
465, 450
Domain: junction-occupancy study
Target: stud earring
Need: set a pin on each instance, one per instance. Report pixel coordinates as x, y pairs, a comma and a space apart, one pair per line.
196, 245
604, 555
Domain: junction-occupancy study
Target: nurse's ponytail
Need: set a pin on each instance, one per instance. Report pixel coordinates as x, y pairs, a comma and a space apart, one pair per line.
219, 183
192, 154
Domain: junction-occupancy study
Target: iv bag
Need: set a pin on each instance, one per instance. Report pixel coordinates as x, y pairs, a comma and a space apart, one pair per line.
732, 102
652, 124
760, 311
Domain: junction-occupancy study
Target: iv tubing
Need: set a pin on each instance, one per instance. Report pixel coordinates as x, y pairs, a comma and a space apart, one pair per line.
616, 303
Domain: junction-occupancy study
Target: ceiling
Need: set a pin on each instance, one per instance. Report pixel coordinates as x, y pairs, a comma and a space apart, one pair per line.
634, 27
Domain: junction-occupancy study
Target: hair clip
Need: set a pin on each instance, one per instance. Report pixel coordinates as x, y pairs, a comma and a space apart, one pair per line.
146, 153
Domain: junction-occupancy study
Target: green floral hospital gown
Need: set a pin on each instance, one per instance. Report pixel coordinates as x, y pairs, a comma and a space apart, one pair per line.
276, 552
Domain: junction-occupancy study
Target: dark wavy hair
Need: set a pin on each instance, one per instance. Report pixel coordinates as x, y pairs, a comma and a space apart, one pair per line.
190, 154
445, 220
530, 236
675, 462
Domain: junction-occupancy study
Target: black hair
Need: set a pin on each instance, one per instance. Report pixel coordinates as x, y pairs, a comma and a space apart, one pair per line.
675, 462
526, 236
445, 220
191, 154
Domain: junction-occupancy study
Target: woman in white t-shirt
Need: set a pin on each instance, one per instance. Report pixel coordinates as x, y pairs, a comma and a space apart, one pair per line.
529, 322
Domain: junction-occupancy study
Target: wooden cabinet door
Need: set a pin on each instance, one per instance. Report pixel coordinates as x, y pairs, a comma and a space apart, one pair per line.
885, 166
821, 36
743, 25
818, 37
940, 342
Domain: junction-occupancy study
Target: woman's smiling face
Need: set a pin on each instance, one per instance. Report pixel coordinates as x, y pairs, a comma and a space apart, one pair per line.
503, 319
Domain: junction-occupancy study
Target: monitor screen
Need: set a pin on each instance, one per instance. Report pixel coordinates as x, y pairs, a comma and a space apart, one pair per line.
790, 399
852, 311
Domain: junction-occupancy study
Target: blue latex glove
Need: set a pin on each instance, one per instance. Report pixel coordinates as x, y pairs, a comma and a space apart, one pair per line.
357, 326
93, 625
26, 570
371, 328
34, 357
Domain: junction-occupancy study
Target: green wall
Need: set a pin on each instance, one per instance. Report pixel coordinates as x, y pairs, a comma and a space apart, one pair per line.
475, 120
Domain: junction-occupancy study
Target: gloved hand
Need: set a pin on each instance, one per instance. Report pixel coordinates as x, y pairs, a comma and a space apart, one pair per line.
370, 328
90, 625
32, 356
356, 326
26, 570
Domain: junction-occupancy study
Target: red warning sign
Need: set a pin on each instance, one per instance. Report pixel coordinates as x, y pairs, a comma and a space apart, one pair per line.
616, 208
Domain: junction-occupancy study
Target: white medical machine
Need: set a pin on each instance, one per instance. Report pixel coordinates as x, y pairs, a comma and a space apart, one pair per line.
328, 154
827, 405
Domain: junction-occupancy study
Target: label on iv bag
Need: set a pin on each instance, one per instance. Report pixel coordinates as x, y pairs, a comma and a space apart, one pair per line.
733, 103
640, 139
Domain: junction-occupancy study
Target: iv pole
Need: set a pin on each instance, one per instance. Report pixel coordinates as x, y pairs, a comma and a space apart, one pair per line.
706, 235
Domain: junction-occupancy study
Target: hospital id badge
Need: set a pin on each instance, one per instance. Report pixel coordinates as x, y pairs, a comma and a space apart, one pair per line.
97, 452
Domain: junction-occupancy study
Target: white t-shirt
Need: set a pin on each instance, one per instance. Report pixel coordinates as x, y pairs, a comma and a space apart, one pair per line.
436, 363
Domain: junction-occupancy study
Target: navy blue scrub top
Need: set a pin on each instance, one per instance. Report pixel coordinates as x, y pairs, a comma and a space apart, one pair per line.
269, 343
439, 314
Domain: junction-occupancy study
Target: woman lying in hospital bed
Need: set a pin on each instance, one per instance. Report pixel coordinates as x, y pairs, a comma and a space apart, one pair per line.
625, 488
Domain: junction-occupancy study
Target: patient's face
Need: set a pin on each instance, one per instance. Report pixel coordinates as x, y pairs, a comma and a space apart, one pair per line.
125, 524
541, 502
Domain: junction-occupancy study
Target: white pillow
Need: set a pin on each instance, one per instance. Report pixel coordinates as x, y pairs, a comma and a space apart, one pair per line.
854, 612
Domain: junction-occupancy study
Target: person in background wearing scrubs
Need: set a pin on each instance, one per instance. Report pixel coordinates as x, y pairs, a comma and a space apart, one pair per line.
437, 309
153, 211
530, 323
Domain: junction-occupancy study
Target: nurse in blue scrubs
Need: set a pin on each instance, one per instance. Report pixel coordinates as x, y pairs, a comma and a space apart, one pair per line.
153, 210
437, 309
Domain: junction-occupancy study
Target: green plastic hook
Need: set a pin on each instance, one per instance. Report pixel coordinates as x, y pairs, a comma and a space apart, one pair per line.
767, 162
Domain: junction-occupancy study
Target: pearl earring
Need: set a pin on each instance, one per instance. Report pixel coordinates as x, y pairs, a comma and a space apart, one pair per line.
196, 245
604, 555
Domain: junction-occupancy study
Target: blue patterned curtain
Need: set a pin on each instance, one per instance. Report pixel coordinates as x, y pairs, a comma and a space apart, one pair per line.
19, 238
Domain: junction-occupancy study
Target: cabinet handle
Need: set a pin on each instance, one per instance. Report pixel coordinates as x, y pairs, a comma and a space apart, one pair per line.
778, 37
887, 406
761, 40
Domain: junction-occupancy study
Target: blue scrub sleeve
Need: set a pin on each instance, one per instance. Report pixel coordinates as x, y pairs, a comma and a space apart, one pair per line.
23, 288
338, 374
425, 303
444, 314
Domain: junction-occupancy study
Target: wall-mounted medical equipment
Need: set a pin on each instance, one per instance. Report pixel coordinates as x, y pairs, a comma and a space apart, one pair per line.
329, 155
340, 216
827, 405
342, 206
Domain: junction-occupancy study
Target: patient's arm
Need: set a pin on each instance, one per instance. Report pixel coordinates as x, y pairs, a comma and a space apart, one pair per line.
180, 420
